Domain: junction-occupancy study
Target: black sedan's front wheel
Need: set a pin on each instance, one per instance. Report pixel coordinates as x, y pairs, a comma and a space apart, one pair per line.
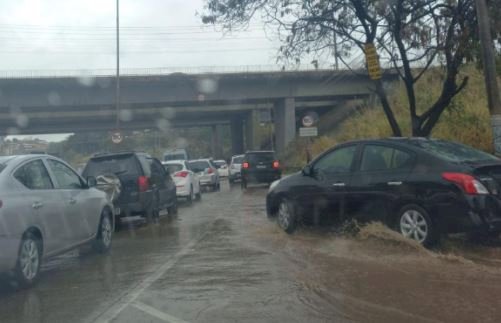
286, 216
415, 223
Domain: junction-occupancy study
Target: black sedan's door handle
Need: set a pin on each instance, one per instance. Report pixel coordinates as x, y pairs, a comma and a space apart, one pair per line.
394, 183
339, 184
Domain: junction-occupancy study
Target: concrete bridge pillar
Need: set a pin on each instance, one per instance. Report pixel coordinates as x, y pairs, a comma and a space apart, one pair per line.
285, 123
217, 147
250, 130
237, 136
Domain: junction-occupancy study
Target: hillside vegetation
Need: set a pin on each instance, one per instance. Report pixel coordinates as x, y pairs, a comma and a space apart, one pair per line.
467, 119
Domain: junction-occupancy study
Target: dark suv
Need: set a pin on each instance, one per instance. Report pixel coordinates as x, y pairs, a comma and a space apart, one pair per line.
146, 188
260, 167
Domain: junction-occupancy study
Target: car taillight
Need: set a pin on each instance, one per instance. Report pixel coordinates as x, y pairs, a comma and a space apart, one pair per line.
467, 182
276, 164
210, 171
182, 173
143, 183
245, 165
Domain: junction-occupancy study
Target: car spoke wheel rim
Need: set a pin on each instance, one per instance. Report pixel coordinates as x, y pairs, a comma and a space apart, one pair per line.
283, 215
106, 231
29, 259
413, 225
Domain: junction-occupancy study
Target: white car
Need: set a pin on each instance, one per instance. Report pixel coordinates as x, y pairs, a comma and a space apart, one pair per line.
222, 168
235, 168
187, 182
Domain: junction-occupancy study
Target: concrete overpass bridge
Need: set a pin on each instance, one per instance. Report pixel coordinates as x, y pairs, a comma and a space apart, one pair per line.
40, 105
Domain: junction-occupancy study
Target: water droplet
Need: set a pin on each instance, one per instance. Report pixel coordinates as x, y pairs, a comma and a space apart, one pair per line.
126, 115
54, 98
163, 125
168, 113
86, 80
207, 85
181, 142
22, 120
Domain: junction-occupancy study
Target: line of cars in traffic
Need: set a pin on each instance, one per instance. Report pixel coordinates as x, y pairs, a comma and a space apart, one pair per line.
47, 208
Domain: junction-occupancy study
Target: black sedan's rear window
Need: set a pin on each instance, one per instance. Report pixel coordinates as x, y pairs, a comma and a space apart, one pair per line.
454, 152
119, 165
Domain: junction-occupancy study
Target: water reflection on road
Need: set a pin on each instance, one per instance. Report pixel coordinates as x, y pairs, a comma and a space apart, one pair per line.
221, 260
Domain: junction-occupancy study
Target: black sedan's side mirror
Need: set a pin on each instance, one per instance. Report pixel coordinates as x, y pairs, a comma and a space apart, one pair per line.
307, 170
91, 181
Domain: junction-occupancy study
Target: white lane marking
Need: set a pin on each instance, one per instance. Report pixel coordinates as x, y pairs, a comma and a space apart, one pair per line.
112, 312
157, 313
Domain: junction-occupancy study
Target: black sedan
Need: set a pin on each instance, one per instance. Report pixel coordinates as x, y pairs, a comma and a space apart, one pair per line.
421, 187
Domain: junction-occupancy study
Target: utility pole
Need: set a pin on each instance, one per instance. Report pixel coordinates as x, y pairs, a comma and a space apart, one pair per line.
489, 63
336, 58
117, 94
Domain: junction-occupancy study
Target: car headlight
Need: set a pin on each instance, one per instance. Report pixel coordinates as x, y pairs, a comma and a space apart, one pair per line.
274, 184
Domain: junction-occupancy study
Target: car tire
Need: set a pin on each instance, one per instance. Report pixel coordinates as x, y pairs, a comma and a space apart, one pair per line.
198, 196
415, 223
172, 210
29, 260
191, 196
104, 236
218, 186
286, 216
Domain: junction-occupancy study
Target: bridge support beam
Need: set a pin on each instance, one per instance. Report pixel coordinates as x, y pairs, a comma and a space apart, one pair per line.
285, 123
237, 136
217, 147
250, 130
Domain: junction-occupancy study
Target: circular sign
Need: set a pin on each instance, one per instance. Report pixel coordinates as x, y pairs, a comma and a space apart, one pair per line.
308, 121
116, 137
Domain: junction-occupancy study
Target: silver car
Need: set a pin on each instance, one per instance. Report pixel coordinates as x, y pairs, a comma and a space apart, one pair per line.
46, 209
207, 172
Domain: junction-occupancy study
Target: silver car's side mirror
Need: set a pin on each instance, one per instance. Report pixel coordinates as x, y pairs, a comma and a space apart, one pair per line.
91, 181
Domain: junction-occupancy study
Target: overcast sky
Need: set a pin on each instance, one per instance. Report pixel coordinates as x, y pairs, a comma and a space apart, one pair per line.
80, 35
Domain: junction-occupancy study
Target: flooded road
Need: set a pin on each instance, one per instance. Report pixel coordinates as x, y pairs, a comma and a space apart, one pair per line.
221, 260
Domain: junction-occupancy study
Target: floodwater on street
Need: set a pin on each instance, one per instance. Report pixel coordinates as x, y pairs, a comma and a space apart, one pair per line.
222, 260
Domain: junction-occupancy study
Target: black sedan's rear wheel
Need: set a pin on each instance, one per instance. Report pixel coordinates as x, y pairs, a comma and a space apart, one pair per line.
286, 216
415, 223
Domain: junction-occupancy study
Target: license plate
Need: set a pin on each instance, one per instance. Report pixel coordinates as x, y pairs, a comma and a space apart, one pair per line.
260, 166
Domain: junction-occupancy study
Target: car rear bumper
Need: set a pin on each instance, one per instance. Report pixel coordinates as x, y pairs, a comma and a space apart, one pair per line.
261, 177
208, 181
183, 188
475, 213
139, 206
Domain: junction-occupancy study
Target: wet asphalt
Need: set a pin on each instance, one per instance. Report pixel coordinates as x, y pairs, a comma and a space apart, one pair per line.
222, 260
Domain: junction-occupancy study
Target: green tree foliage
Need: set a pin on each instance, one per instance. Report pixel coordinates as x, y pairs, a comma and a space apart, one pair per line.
410, 35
